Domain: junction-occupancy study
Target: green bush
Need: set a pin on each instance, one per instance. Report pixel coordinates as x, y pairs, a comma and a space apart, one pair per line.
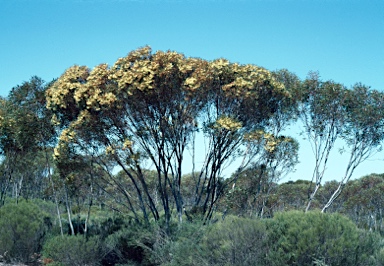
105, 224
181, 247
22, 230
314, 238
129, 245
236, 241
73, 250
380, 257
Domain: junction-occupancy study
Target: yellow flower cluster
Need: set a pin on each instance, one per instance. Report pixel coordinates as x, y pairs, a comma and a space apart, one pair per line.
67, 135
243, 80
56, 152
228, 123
255, 135
127, 144
109, 150
55, 121
72, 80
83, 118
188, 65
192, 83
219, 65
92, 89
134, 71
268, 140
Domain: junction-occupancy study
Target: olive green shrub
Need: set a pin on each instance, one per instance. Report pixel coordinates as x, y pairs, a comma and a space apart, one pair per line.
297, 238
183, 246
236, 241
129, 245
380, 257
22, 230
73, 250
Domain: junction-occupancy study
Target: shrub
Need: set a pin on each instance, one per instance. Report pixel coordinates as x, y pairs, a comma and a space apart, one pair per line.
236, 241
380, 257
181, 247
297, 238
129, 245
104, 224
73, 250
22, 230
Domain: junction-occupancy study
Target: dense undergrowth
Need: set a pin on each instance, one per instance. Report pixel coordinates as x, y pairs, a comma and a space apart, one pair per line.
29, 230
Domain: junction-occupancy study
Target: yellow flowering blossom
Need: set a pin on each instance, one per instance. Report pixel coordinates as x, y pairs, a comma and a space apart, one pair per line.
268, 140
67, 135
192, 83
220, 64
82, 119
56, 153
127, 144
228, 123
255, 135
109, 150
72, 80
55, 121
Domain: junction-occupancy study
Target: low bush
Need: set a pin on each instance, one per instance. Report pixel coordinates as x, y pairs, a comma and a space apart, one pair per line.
181, 247
22, 230
73, 250
236, 241
129, 245
297, 238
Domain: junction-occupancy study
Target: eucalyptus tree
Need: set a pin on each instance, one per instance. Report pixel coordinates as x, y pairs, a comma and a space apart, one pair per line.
287, 112
277, 154
268, 155
138, 109
9, 148
147, 107
25, 134
252, 190
243, 100
362, 200
363, 130
321, 112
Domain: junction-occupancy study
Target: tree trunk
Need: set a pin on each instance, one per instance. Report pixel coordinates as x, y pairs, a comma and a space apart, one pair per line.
69, 212
54, 193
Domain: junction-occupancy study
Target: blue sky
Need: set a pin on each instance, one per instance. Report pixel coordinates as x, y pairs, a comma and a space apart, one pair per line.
343, 40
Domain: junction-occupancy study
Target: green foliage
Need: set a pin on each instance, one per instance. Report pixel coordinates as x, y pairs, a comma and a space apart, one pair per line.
103, 224
296, 238
236, 241
291, 196
73, 250
22, 230
25, 132
362, 200
247, 196
182, 247
380, 257
129, 245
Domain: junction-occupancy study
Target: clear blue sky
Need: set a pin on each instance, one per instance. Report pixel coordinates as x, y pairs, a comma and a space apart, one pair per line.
342, 39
